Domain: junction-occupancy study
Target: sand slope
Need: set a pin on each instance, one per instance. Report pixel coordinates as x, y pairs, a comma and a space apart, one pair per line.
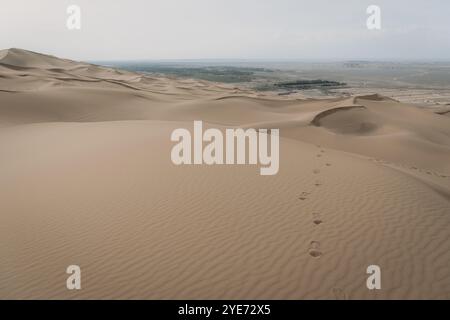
86, 178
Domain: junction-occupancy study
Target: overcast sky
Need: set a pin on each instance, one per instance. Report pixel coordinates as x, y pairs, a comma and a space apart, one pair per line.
229, 29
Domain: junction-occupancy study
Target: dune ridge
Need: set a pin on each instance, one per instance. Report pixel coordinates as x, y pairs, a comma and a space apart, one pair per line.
86, 178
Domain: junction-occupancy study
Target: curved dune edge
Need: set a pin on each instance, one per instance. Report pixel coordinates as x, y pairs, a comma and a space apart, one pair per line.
86, 178
317, 119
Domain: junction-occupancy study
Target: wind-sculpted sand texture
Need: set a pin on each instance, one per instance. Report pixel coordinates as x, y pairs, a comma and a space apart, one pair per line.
86, 178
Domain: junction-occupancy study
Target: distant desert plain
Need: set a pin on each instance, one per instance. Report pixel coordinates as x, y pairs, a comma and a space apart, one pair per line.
86, 179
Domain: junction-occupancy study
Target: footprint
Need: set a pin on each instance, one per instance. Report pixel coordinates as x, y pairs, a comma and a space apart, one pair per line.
319, 155
304, 196
316, 171
314, 249
339, 294
317, 218
328, 164
318, 183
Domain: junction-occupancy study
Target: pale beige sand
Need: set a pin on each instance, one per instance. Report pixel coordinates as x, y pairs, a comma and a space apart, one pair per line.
86, 178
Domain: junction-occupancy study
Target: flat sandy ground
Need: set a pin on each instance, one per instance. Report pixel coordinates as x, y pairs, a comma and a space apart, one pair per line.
86, 178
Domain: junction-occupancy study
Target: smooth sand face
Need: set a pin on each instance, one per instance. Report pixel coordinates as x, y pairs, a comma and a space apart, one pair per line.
86, 178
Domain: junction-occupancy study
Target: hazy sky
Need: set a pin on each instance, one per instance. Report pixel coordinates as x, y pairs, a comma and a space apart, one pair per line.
237, 29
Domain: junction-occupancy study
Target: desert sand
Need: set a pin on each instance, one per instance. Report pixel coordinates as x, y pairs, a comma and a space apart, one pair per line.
86, 179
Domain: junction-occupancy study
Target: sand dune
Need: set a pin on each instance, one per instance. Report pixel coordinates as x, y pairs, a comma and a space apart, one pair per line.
86, 178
